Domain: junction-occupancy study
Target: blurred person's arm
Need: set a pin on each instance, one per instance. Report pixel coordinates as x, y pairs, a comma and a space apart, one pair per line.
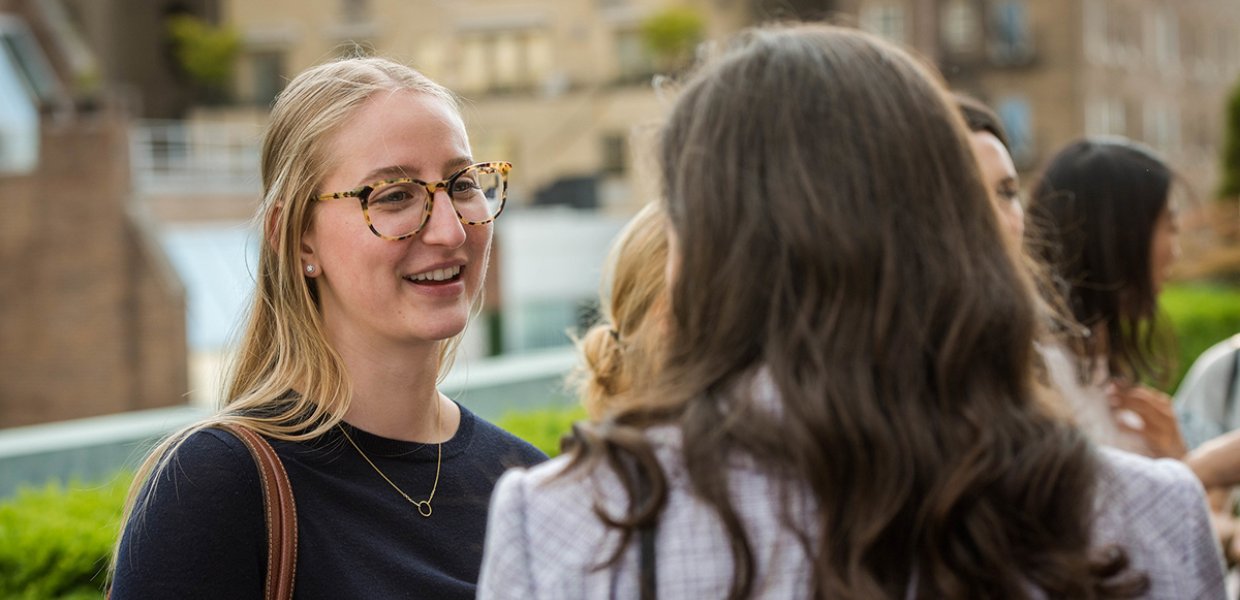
1217, 462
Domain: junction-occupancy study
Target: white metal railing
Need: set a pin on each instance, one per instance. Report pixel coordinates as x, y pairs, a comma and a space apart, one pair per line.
175, 157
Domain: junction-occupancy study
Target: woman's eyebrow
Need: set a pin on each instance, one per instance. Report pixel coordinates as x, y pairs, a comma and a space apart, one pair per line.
451, 166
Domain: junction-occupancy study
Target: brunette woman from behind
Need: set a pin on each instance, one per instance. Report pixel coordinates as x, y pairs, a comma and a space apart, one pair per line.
846, 408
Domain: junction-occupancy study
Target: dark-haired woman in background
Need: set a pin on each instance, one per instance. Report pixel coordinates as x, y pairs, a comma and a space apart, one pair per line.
994, 158
847, 405
1101, 218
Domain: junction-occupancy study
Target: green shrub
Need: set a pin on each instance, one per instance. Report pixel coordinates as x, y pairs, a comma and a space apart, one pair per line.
55, 542
1202, 315
207, 53
544, 427
1229, 167
672, 34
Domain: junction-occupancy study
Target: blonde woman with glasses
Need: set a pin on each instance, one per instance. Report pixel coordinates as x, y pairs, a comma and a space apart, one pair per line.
377, 223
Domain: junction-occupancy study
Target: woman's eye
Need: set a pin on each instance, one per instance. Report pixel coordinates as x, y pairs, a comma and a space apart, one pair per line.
392, 195
464, 185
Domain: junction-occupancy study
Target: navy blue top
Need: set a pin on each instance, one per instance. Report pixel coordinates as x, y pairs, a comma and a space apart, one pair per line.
203, 533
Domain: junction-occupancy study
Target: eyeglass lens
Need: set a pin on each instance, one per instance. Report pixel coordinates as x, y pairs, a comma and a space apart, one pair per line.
398, 209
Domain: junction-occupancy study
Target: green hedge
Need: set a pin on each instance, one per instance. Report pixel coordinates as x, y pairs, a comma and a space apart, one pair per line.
543, 428
55, 542
1202, 314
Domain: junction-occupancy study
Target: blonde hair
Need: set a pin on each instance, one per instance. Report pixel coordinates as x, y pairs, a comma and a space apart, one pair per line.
286, 381
619, 352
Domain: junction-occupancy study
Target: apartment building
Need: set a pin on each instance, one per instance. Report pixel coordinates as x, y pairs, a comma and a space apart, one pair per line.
561, 88
1158, 71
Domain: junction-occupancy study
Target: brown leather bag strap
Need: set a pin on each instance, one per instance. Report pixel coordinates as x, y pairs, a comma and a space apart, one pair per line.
280, 511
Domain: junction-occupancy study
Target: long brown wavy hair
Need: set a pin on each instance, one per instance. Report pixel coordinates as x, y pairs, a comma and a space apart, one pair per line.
831, 235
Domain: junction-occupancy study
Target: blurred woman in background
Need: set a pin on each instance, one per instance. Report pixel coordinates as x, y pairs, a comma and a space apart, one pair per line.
621, 352
1101, 219
994, 158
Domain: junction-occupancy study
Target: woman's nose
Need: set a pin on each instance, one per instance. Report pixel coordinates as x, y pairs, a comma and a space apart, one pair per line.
443, 228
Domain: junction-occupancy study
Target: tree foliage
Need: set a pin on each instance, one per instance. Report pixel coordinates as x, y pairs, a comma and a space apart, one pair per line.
205, 52
672, 35
1229, 186
55, 542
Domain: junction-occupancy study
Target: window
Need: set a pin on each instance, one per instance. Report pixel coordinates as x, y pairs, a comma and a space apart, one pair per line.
1162, 126
959, 22
1123, 33
1106, 116
614, 154
633, 61
25, 55
1010, 41
885, 19
19, 121
1017, 118
268, 76
504, 61
26, 84
355, 11
1098, 31
1164, 37
1227, 49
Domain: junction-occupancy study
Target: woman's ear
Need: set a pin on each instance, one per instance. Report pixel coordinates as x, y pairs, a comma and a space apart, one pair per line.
309, 258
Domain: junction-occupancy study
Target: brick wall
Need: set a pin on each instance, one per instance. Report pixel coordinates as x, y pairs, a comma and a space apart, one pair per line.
91, 320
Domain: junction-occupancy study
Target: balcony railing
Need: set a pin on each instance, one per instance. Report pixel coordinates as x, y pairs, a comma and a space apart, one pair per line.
176, 157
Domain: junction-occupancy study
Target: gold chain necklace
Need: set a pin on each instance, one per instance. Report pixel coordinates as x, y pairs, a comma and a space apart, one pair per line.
423, 506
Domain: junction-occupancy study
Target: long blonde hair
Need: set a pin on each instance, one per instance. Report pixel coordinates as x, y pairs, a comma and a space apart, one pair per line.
286, 381
620, 352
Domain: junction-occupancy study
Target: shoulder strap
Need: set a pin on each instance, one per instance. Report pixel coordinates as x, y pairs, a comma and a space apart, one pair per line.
648, 581
649, 573
280, 511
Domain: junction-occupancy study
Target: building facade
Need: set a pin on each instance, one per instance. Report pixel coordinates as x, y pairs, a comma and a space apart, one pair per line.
1157, 71
563, 89
92, 320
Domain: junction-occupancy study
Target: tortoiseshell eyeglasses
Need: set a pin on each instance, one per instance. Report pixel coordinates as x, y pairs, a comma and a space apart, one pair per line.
397, 209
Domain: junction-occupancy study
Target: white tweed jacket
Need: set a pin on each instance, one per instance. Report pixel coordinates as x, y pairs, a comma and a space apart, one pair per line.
544, 541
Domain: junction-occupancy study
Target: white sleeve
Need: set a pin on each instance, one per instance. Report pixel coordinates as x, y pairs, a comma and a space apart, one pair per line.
505, 561
1201, 398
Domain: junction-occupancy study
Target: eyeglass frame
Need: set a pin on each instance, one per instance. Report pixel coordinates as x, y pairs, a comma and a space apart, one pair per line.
362, 194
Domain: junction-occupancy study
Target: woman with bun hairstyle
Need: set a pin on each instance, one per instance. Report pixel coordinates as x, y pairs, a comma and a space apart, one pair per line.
621, 352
